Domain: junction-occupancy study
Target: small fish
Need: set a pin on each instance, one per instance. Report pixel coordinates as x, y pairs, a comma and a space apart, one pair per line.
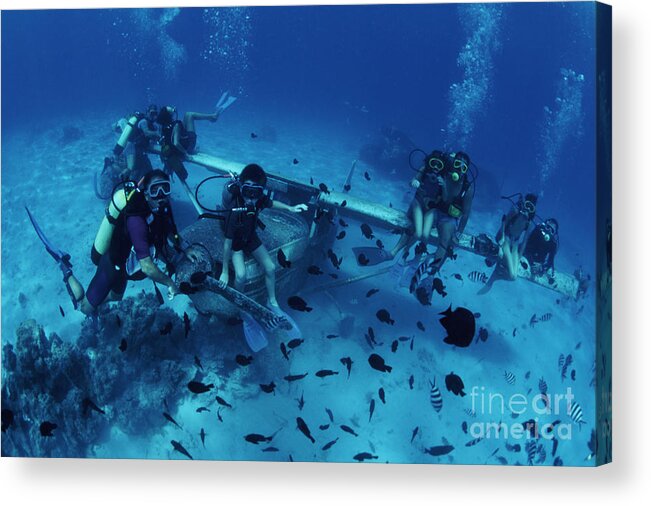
219, 415
179, 448
413, 434
464, 427
439, 287
533, 320
343, 223
502, 460
361, 457
473, 442
87, 404
542, 386
202, 409
315, 270
123, 345
295, 377
382, 395
203, 435
366, 176
527, 375
268, 389
377, 363
437, 451
477, 315
344, 203
325, 426
257, 438
345, 428
362, 259
470, 412
243, 360
295, 343
458, 276
166, 329
411, 382
196, 387
270, 449
546, 317
330, 415
435, 397
197, 362
282, 259
371, 335
311, 180
384, 316
509, 377
420, 325
324, 188
347, 187
298, 304
254, 135
62, 312
295, 161
576, 414
513, 448
330, 444
573, 375
283, 350
222, 402
169, 418
411, 344
325, 372
379, 244
454, 384
302, 426
530, 448
566, 365
482, 335
394, 346
371, 409
372, 292
46, 428
332, 336
341, 235
478, 277
367, 231
186, 324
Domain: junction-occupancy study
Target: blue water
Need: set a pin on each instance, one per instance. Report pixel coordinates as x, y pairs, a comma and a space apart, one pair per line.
510, 84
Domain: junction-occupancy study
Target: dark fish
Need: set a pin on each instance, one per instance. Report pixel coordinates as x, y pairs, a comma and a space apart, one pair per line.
330, 415
257, 438
464, 427
458, 276
361, 457
379, 244
371, 335
420, 326
159, 296
186, 324
502, 460
384, 316
381, 394
323, 188
514, 331
268, 389
366, 176
345, 428
411, 344
254, 135
179, 448
371, 409
527, 375
325, 372
420, 249
7, 419
314, 270
46, 429
362, 259
460, 325
372, 291
546, 317
347, 187
542, 386
377, 363
394, 346
329, 445
243, 360
295, 377
336, 261
341, 235
332, 336
270, 449
283, 350
202, 409
439, 287
61, 311
311, 181
573, 375
123, 345
478, 277
302, 426
298, 304
325, 426
197, 362
344, 203
482, 334
411, 382
402, 339
196, 387
87, 404
295, 161
437, 451
222, 402
413, 434
169, 418
343, 223
166, 329
282, 259
473, 442
477, 315
435, 397
533, 320
295, 343
219, 414
513, 448
454, 384
367, 231
509, 377
203, 435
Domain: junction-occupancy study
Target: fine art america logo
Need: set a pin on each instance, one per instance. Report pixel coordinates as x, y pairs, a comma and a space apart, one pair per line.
560, 412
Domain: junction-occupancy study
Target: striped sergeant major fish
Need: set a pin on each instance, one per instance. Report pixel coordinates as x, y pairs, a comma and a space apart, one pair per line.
435, 397
509, 377
576, 414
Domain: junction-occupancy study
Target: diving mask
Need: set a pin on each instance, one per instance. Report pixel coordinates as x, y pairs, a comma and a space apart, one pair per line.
435, 163
529, 207
461, 165
159, 189
251, 191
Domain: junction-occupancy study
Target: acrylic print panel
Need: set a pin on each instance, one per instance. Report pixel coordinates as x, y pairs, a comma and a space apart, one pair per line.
326, 233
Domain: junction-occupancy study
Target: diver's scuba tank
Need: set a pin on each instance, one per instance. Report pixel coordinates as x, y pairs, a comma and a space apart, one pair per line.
127, 130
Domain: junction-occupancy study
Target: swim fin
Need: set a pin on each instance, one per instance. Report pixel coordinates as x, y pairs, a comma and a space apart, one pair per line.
61, 257
225, 101
292, 333
370, 255
255, 335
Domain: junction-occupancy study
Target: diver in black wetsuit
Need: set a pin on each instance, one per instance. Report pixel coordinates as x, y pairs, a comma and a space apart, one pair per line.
542, 246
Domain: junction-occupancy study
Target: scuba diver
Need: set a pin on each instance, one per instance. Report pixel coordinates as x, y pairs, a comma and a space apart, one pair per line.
542, 246
179, 138
138, 230
243, 199
512, 238
136, 131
